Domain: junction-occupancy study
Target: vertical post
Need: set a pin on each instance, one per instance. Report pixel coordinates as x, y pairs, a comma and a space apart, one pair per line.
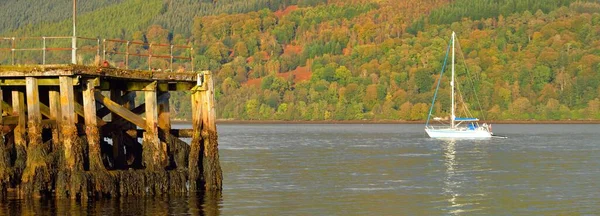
171, 65
103, 49
154, 153
212, 172
34, 123
44, 52
149, 56
127, 56
164, 122
54, 99
68, 129
91, 124
98, 48
12, 51
192, 57
117, 136
35, 152
18, 103
196, 147
74, 39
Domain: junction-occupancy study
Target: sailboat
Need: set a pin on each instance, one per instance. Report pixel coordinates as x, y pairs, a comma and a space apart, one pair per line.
459, 127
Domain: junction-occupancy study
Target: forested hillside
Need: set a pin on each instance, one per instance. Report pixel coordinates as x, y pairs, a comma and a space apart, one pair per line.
374, 60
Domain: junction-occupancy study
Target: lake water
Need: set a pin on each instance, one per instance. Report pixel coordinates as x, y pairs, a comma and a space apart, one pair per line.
380, 169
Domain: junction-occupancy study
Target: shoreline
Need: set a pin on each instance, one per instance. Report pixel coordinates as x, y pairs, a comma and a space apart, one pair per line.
224, 121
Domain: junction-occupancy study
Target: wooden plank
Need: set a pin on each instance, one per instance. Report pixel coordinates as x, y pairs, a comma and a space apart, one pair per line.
18, 101
34, 123
91, 126
119, 110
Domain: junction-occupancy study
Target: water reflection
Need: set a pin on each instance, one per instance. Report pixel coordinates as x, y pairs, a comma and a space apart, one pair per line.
450, 181
196, 204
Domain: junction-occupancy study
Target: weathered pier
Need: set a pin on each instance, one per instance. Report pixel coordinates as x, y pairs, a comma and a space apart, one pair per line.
75, 131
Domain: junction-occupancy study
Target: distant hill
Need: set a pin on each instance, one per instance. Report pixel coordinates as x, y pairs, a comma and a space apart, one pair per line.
364, 59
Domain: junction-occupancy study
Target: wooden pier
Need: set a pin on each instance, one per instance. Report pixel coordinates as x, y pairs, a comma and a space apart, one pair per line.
76, 131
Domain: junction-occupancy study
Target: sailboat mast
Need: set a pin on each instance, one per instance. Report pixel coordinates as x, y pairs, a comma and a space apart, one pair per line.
452, 116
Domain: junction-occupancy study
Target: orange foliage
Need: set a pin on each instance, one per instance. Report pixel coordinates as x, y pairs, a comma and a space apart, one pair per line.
289, 9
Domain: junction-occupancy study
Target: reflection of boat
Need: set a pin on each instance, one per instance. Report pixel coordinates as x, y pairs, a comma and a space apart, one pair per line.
459, 127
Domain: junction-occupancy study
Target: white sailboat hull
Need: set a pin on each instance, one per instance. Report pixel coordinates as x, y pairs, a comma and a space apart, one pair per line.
457, 133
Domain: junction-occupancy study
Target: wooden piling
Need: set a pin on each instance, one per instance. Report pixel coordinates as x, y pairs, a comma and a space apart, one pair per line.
117, 135
18, 103
35, 172
54, 102
91, 125
211, 167
68, 129
78, 162
155, 154
196, 146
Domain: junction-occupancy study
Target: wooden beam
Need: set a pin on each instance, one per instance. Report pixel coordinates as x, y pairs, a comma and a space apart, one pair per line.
14, 120
41, 81
6, 107
139, 85
34, 123
126, 98
119, 110
10, 120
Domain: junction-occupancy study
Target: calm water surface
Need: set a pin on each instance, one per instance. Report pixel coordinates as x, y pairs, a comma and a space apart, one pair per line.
354, 169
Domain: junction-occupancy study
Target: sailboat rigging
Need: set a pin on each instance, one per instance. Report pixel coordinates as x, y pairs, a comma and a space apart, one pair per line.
460, 127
